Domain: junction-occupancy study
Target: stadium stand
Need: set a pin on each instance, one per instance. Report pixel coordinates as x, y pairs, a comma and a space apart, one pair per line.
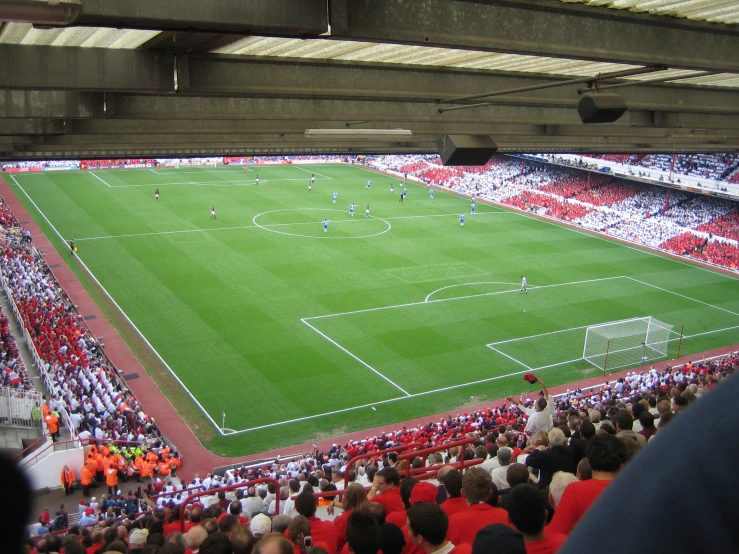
589, 434
519, 447
644, 214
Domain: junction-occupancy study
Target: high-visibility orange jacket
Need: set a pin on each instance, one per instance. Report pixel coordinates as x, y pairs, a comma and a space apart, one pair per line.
52, 423
147, 469
111, 477
91, 464
67, 476
164, 468
86, 476
151, 457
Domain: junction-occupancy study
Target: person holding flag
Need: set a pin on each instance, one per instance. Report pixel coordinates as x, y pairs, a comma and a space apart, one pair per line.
223, 419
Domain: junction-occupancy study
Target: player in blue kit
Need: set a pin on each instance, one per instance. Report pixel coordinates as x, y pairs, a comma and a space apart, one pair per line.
335, 195
461, 220
325, 225
472, 207
352, 207
431, 193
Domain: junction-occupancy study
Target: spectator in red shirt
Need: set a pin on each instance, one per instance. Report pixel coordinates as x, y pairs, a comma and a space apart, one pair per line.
477, 486
454, 502
427, 527
386, 482
527, 511
323, 531
606, 455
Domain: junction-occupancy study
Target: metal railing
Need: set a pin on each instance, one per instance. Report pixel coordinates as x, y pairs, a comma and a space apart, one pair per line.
229, 488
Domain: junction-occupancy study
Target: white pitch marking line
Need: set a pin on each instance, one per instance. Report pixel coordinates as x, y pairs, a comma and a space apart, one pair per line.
565, 330
467, 284
460, 298
380, 402
309, 171
511, 358
79, 260
255, 226
365, 364
683, 296
166, 233
98, 178
240, 182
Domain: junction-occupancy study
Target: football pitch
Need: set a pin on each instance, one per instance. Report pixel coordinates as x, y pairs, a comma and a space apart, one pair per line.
299, 333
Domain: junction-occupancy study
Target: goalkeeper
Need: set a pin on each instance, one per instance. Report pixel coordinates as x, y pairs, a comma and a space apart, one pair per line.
541, 417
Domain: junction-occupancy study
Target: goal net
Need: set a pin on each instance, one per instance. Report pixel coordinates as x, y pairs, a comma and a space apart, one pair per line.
626, 343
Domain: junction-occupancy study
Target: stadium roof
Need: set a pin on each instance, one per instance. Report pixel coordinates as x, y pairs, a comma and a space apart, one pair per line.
182, 77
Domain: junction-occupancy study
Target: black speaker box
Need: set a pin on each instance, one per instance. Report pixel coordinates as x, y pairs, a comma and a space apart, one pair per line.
600, 108
466, 149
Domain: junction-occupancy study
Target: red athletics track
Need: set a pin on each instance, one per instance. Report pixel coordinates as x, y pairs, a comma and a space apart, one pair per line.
156, 404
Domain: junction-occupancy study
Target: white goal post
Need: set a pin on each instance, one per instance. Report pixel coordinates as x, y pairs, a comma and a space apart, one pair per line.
626, 343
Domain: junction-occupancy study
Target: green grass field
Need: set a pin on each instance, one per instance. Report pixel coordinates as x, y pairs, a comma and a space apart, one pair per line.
298, 333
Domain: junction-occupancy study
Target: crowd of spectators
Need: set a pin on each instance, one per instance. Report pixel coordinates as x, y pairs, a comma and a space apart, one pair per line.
727, 225
541, 464
91, 389
709, 166
92, 164
85, 389
636, 212
12, 367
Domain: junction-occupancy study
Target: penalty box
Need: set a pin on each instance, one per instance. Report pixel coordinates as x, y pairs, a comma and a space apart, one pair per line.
422, 346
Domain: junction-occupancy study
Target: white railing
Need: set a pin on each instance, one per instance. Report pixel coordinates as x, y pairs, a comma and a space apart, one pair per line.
16, 406
43, 368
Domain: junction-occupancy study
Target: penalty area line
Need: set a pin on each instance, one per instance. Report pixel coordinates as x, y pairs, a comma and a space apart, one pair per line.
361, 361
382, 402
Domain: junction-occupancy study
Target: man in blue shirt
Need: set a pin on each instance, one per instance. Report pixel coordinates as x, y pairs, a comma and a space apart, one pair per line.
431, 193
352, 207
461, 220
335, 195
472, 207
325, 225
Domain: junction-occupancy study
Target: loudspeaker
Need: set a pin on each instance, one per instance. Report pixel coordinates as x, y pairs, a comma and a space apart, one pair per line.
466, 149
600, 108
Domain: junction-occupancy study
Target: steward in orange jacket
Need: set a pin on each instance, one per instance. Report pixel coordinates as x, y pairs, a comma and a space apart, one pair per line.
86, 479
111, 479
68, 479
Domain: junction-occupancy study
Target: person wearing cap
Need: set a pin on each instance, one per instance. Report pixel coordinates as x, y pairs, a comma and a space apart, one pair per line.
527, 511
88, 517
260, 525
137, 539
477, 486
427, 526
385, 490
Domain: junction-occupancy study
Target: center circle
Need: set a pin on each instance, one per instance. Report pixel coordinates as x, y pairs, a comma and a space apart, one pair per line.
271, 229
